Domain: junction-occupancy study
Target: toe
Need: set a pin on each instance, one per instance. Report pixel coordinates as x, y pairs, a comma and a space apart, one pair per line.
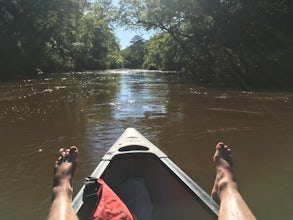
73, 154
59, 160
220, 145
63, 154
73, 148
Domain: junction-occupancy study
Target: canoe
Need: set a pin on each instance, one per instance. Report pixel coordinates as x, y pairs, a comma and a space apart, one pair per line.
159, 186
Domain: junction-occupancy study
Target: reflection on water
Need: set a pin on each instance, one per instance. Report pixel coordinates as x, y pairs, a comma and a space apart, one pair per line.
91, 110
137, 89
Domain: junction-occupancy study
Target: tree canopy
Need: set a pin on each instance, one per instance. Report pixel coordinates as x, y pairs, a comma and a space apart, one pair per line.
134, 54
248, 43
55, 36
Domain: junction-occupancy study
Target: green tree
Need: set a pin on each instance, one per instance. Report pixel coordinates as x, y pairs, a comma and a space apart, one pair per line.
55, 36
134, 54
38, 34
239, 42
162, 53
103, 48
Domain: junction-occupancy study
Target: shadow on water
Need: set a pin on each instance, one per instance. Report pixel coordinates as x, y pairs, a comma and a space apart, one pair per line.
91, 110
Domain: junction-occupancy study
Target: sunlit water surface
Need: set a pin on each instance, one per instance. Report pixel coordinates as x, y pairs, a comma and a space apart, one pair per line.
91, 110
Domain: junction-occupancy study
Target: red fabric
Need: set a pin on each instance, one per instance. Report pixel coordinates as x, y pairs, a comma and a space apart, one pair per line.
110, 206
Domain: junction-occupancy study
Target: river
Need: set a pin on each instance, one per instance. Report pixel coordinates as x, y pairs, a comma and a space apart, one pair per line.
91, 109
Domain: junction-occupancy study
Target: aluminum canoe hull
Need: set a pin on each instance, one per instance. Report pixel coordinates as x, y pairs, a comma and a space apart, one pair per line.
173, 194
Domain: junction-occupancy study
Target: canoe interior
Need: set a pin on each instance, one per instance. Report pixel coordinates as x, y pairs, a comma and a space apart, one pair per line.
170, 197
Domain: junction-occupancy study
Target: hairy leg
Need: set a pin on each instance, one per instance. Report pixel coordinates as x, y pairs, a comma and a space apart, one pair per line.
61, 208
225, 190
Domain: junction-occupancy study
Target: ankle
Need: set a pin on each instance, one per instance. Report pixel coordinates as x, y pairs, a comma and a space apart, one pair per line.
226, 185
62, 190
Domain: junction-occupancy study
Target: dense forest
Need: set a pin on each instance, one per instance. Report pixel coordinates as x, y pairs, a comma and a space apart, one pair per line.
219, 42
54, 36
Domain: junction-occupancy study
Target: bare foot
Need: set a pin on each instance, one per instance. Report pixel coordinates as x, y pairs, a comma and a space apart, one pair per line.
225, 174
64, 171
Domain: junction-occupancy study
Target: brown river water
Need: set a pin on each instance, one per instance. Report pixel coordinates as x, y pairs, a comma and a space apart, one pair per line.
40, 116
